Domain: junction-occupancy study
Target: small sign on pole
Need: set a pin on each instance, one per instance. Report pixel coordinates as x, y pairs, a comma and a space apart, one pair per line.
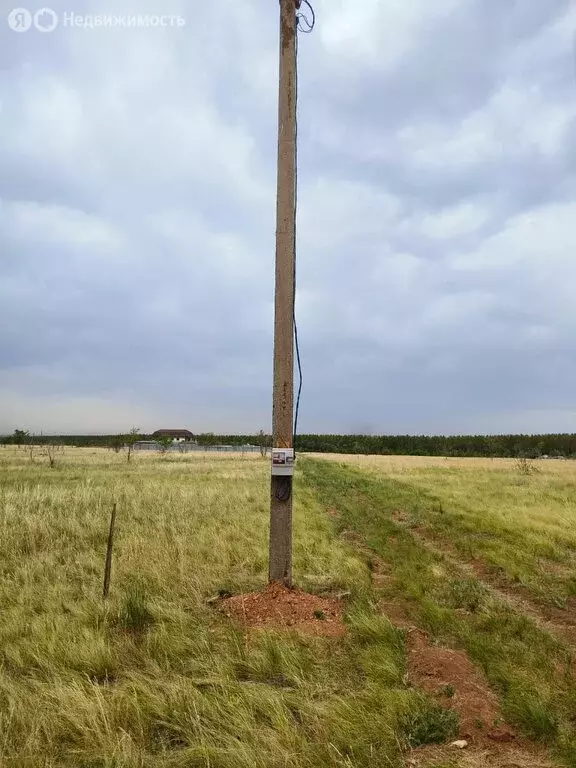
283, 462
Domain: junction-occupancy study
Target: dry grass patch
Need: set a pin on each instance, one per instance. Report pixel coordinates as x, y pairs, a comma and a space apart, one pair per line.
154, 677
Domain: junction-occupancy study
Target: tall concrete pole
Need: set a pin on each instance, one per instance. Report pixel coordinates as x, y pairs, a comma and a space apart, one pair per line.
280, 561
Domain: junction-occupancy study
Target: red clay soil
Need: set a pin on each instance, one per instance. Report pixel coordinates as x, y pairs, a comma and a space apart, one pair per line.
449, 676
454, 680
278, 607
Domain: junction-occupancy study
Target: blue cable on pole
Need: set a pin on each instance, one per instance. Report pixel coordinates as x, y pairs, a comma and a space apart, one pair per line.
310, 23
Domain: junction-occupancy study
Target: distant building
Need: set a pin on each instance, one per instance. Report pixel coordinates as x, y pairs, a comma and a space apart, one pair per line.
177, 435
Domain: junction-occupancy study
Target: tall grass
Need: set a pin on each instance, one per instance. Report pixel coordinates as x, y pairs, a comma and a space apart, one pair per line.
522, 527
156, 677
531, 670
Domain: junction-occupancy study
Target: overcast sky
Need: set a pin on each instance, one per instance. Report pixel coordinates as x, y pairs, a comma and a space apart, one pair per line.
436, 226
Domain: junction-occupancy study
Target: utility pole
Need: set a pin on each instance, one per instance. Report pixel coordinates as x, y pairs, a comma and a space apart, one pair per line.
280, 558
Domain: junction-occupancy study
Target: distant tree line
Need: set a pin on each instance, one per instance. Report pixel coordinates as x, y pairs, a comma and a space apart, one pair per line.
529, 446
512, 446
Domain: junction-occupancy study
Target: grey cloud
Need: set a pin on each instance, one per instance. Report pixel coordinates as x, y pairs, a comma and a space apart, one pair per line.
137, 204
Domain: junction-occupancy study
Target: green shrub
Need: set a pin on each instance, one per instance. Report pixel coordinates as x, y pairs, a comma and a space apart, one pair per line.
430, 724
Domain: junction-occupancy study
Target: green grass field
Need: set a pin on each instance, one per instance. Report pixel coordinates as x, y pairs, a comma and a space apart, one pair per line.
518, 520
157, 677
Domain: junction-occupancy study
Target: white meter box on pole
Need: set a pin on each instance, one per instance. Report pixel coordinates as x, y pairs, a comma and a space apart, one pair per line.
283, 461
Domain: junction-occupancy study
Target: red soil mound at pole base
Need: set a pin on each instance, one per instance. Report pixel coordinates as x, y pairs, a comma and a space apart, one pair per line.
277, 607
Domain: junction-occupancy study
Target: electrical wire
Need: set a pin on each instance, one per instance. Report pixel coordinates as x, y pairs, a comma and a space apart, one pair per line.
310, 24
283, 493
296, 342
283, 488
